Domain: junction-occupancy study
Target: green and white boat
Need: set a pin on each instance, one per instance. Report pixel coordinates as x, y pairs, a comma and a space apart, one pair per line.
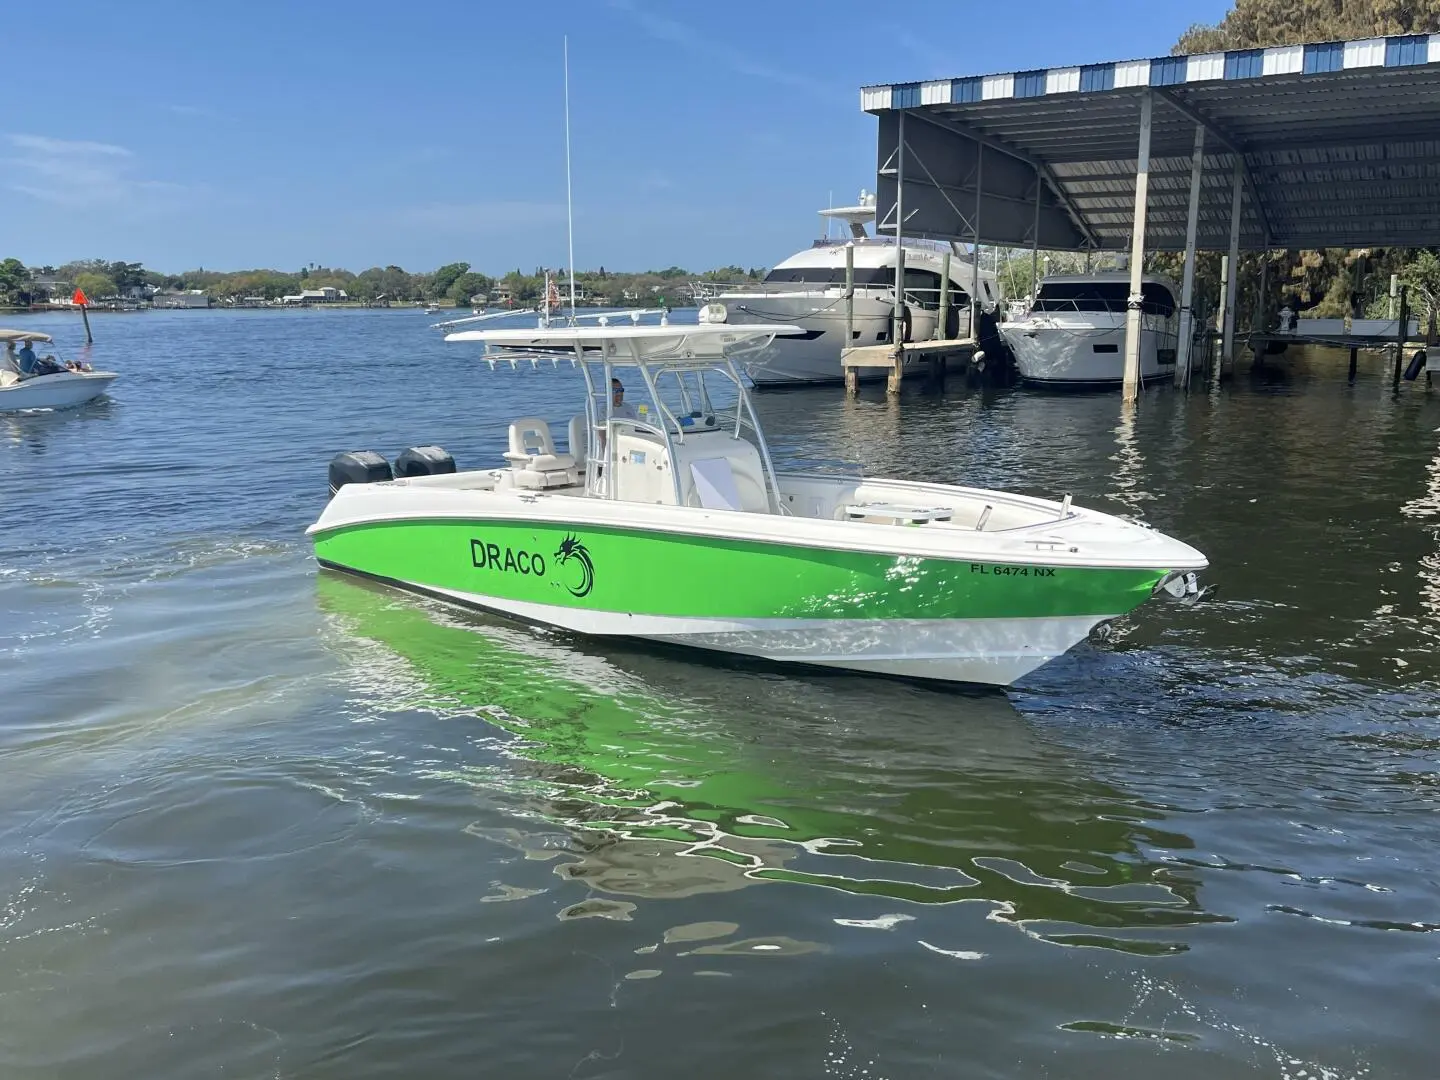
672, 524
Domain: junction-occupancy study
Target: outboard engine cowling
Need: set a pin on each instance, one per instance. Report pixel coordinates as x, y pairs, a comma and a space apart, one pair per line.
424, 461
358, 467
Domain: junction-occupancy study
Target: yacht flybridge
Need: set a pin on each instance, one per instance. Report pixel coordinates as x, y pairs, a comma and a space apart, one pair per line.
669, 521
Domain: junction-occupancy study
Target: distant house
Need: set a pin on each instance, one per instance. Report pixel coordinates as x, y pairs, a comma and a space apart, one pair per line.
138, 292
51, 289
326, 294
501, 294
174, 298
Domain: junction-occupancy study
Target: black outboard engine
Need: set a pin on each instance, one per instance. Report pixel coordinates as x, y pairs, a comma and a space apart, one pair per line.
424, 461
358, 467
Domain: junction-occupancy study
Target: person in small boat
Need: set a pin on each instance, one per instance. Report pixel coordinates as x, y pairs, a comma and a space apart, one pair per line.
9, 363
32, 365
618, 409
27, 359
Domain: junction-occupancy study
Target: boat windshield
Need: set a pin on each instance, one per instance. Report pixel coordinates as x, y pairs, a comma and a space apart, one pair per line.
1103, 296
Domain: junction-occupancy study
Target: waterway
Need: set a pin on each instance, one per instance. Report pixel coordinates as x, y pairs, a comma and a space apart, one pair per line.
257, 821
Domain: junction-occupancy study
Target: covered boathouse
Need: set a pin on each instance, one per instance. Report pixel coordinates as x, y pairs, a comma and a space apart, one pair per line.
1328, 144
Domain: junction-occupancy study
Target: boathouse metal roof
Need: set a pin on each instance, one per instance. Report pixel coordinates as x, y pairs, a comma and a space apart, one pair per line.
1339, 143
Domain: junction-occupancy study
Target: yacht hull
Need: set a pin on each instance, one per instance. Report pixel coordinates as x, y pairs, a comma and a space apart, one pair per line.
1082, 355
814, 357
62, 390
867, 611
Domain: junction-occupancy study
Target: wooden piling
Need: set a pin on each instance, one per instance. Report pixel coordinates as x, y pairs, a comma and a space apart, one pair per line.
1354, 356
1400, 335
942, 318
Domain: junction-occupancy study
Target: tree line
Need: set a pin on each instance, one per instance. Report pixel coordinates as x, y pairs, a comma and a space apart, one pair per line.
457, 283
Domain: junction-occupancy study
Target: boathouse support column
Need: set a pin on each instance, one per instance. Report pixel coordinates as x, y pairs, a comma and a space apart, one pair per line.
943, 316
896, 326
1035, 240
1137, 255
1227, 346
975, 251
1187, 284
1224, 292
1261, 319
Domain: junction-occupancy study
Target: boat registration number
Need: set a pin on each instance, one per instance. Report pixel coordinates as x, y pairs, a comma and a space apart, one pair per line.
1013, 571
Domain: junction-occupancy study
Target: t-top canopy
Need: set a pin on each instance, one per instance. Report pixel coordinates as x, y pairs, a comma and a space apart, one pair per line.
24, 335
631, 345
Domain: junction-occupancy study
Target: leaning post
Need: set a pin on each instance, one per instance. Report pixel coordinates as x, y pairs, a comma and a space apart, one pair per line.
1400, 334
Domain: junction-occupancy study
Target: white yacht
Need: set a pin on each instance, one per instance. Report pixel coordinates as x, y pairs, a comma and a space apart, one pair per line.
808, 290
1073, 334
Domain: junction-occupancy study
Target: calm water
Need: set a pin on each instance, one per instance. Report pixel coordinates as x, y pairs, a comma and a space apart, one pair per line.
260, 822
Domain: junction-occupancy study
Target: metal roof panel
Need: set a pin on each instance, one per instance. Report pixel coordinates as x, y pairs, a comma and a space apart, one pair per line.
1331, 137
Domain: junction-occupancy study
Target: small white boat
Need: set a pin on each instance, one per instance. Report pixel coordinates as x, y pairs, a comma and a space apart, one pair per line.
53, 390
1074, 332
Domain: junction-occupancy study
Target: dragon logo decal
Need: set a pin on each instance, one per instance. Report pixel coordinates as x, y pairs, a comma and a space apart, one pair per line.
572, 550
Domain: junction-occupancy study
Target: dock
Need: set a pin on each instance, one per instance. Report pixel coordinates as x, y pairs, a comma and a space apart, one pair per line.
933, 357
1403, 335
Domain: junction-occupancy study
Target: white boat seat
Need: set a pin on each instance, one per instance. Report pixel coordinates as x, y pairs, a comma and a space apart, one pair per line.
578, 437
533, 459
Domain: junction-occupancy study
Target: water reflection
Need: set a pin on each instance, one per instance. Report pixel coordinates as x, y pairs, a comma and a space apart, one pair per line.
1426, 508
31, 432
1129, 466
675, 778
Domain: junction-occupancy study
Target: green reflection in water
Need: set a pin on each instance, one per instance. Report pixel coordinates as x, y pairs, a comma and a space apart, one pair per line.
865, 785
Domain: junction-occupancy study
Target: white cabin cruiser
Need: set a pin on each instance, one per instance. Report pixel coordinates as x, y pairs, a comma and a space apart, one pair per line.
1073, 334
668, 521
807, 290
55, 387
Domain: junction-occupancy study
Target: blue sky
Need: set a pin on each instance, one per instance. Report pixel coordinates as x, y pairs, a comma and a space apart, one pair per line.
278, 134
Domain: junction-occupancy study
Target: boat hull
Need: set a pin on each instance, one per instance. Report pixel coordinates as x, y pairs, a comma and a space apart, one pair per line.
1084, 355
62, 390
943, 619
815, 357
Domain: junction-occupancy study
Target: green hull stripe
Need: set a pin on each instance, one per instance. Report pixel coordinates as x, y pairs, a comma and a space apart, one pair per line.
655, 573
